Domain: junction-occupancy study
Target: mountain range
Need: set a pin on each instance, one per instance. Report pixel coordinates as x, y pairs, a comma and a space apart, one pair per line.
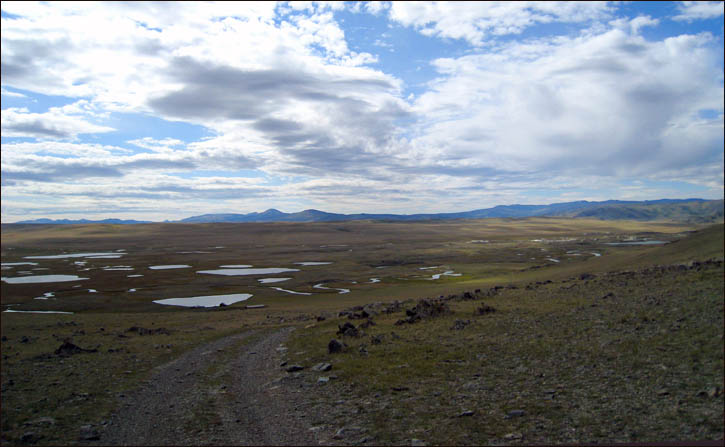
685, 210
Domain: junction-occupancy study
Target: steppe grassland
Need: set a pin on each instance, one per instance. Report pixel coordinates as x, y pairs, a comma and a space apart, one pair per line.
84, 388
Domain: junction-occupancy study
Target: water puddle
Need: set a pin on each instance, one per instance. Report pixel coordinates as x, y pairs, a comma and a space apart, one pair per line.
374, 280
291, 291
105, 257
341, 291
478, 241
38, 312
596, 254
553, 260
446, 273
167, 267
240, 272
272, 280
313, 263
92, 291
45, 296
236, 266
74, 255
638, 243
118, 268
206, 301
190, 252
134, 276
41, 279
131, 290
17, 263
428, 268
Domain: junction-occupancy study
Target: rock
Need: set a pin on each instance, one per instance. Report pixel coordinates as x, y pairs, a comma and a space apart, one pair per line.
335, 346
460, 324
283, 364
347, 431
323, 380
4, 338
425, 309
348, 329
29, 438
417, 442
466, 413
88, 433
42, 421
367, 324
483, 310
515, 414
363, 350
512, 436
585, 276
320, 318
144, 331
294, 368
322, 367
24, 339
68, 349
376, 339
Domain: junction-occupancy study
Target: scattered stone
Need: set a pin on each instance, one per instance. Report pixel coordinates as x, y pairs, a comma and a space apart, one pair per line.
483, 310
320, 318
68, 349
515, 414
417, 443
376, 339
294, 368
512, 436
367, 324
283, 364
24, 339
144, 331
335, 346
42, 421
425, 309
88, 433
322, 367
323, 380
363, 349
401, 388
460, 324
585, 276
29, 438
348, 329
347, 431
467, 413
609, 295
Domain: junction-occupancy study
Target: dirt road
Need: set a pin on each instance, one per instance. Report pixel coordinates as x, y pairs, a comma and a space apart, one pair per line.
228, 392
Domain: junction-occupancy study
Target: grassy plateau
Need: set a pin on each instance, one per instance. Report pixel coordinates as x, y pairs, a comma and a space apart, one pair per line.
588, 342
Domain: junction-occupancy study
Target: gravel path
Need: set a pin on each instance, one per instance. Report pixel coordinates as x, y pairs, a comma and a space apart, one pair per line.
228, 392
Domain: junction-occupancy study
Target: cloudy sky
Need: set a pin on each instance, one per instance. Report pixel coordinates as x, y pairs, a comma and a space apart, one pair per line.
166, 110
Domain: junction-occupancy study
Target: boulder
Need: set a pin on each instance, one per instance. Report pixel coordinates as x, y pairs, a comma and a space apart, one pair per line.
483, 310
68, 349
335, 346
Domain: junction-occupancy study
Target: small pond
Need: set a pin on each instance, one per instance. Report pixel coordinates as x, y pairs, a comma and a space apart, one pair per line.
272, 280
291, 291
206, 301
240, 272
167, 267
74, 255
42, 278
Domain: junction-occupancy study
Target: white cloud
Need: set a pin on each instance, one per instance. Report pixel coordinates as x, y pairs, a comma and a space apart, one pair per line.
475, 21
698, 10
610, 104
60, 123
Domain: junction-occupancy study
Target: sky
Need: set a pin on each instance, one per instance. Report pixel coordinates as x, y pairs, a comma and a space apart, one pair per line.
161, 111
